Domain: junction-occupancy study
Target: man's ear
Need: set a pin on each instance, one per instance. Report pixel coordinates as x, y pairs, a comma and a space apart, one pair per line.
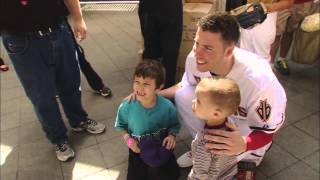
229, 50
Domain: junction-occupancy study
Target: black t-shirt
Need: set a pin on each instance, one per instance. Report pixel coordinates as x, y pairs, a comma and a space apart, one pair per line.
30, 15
165, 8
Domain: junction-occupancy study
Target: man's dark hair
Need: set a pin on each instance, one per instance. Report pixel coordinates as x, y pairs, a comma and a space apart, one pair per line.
152, 69
221, 23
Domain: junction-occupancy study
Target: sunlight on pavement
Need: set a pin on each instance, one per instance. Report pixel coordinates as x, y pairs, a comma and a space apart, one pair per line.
114, 173
4, 153
84, 169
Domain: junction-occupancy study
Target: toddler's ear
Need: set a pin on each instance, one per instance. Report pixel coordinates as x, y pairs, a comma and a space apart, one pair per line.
217, 113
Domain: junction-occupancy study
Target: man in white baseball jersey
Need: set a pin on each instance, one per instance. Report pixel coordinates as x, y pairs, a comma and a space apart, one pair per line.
263, 100
259, 38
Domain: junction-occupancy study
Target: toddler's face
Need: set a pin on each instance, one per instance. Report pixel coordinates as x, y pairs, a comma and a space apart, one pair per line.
144, 88
202, 107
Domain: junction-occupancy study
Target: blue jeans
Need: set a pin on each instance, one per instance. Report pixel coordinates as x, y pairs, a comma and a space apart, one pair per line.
46, 65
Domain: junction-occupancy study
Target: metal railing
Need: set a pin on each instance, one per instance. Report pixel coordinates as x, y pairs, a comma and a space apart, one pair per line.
109, 2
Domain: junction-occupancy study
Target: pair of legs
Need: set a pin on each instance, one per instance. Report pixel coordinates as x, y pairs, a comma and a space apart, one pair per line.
288, 21
283, 42
139, 170
45, 64
161, 28
283, 36
93, 79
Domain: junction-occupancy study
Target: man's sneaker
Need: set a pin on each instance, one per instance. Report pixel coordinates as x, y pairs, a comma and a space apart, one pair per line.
105, 91
185, 160
90, 125
246, 171
64, 151
282, 66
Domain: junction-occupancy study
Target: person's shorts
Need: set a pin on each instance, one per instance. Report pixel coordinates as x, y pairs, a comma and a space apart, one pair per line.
289, 19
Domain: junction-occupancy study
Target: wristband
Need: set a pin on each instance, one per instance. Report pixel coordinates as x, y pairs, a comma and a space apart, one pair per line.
130, 141
173, 134
126, 136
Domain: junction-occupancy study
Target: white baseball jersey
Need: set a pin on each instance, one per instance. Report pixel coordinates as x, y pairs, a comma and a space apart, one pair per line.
263, 99
259, 39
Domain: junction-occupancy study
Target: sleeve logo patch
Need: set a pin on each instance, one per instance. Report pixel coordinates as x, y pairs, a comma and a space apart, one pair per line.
264, 110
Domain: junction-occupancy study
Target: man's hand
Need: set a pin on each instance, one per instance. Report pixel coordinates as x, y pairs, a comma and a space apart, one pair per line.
134, 147
79, 26
169, 142
79, 29
224, 142
131, 97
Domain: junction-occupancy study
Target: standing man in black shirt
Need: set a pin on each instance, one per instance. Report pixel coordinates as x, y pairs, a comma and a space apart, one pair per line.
42, 51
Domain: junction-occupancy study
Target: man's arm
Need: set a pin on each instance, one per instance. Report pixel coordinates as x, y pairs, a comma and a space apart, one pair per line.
257, 139
79, 26
264, 117
232, 143
279, 6
170, 92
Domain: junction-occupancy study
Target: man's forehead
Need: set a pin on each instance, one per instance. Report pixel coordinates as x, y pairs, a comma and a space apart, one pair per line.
207, 36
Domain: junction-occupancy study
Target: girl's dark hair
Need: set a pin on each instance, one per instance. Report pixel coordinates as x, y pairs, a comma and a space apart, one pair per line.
222, 23
152, 69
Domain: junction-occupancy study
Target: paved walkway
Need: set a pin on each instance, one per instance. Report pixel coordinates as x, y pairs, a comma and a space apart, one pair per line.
112, 45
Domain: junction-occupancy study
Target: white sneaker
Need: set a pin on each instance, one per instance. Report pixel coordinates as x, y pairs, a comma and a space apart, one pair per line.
64, 151
185, 160
91, 126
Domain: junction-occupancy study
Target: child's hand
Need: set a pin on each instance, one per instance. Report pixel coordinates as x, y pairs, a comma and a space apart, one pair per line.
169, 142
134, 147
132, 143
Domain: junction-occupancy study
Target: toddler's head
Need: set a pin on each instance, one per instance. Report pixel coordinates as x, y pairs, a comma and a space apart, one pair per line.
216, 99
